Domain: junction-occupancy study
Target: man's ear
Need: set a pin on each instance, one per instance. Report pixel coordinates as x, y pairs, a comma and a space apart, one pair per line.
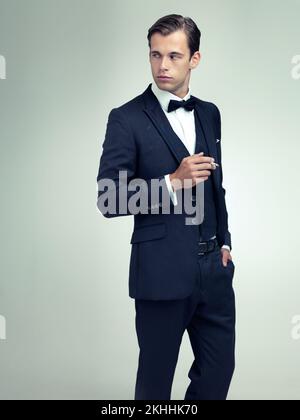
195, 60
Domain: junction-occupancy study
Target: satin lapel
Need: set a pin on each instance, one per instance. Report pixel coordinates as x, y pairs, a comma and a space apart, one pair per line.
209, 137
163, 126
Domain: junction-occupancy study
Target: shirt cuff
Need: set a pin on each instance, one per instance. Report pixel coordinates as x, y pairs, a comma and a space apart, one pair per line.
226, 247
171, 191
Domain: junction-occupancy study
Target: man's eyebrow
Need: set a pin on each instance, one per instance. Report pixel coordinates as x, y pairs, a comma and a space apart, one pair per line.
173, 52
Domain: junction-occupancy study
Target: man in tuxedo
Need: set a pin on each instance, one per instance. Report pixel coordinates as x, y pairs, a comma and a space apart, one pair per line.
180, 273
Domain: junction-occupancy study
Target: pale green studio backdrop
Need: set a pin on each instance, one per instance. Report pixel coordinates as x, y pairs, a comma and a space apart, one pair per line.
64, 303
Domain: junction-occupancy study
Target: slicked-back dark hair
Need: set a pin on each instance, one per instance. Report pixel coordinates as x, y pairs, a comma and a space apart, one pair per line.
172, 23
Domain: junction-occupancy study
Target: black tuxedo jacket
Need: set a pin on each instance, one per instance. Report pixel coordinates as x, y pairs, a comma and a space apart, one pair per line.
164, 249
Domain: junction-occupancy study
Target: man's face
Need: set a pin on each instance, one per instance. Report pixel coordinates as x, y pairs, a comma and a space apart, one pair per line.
170, 56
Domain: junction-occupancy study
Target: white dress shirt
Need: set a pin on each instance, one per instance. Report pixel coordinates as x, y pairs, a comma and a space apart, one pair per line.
183, 123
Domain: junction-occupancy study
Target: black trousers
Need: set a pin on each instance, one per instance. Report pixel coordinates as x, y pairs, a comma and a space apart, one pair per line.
208, 315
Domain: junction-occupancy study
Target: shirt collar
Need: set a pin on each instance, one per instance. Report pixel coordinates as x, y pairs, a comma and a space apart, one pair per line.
164, 96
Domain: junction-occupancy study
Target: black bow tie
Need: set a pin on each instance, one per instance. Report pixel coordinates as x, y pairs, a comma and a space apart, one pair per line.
189, 105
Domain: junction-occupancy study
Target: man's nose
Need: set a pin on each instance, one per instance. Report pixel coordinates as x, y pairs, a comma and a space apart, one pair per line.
164, 63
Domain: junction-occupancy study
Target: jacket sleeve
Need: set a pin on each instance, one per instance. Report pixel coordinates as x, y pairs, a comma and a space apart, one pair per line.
227, 240
120, 192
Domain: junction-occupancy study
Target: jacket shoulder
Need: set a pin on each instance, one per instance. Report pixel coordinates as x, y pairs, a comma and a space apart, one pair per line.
208, 106
133, 105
